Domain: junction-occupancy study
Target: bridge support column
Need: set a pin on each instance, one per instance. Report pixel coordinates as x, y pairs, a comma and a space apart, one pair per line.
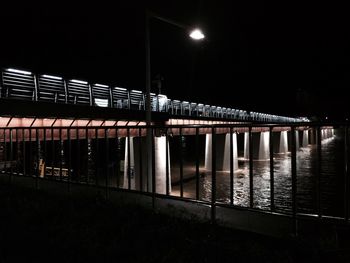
161, 154
208, 152
323, 134
283, 148
305, 138
280, 141
297, 140
227, 155
246, 146
261, 147
138, 165
222, 152
327, 133
312, 136
264, 148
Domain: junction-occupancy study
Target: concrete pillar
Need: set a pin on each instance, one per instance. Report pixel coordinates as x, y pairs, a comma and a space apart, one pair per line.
208, 152
138, 157
246, 145
227, 155
276, 141
222, 152
283, 148
305, 138
161, 153
330, 132
264, 148
297, 142
261, 146
312, 136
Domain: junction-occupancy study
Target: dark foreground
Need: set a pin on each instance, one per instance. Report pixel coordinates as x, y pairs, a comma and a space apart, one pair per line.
37, 227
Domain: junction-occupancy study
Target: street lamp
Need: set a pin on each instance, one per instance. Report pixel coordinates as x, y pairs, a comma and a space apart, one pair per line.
195, 34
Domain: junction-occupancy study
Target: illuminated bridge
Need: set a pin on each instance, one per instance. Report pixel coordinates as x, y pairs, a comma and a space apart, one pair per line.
253, 171
26, 86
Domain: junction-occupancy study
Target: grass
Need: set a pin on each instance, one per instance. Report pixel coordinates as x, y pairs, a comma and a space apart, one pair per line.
39, 227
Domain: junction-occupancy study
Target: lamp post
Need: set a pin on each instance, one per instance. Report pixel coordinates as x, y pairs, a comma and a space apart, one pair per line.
195, 34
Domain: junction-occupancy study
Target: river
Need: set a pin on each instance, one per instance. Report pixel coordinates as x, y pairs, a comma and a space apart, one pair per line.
331, 180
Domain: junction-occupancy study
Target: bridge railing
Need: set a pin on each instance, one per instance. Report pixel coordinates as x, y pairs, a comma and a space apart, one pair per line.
295, 181
25, 85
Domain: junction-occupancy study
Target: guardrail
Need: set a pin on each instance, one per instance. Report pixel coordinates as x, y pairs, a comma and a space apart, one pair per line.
101, 157
25, 85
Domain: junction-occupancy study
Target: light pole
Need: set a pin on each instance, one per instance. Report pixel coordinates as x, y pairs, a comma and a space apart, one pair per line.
195, 34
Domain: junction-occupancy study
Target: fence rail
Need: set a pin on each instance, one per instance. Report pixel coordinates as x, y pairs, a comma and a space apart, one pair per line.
25, 85
116, 158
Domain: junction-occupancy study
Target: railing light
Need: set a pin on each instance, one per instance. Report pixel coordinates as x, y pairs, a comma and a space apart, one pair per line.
101, 85
120, 88
19, 71
79, 81
136, 91
51, 77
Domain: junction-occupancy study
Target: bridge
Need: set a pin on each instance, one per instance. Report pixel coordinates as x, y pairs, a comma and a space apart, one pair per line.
24, 85
79, 137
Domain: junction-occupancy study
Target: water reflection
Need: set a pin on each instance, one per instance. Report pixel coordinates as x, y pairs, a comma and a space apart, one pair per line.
307, 170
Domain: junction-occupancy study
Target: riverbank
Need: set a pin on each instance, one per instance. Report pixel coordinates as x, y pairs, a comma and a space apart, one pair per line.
39, 227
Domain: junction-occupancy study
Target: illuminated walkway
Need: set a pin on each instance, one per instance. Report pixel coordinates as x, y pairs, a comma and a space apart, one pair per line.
27, 86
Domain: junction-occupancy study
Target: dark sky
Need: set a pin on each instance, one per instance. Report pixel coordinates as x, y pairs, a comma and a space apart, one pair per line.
258, 55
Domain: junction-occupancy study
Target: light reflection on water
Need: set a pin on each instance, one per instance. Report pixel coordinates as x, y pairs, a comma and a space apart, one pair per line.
306, 181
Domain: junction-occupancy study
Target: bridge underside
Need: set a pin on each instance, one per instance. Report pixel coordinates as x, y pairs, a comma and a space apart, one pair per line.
81, 122
32, 129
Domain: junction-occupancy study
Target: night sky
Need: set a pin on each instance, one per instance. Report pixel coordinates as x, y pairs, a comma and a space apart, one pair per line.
261, 56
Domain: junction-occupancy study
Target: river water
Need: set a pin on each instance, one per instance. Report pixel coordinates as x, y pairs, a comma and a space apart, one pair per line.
331, 181
327, 175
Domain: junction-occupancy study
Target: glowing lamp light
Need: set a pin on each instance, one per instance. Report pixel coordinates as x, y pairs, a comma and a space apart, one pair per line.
197, 34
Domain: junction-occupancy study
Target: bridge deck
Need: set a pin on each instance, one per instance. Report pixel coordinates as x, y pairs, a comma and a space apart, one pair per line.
108, 101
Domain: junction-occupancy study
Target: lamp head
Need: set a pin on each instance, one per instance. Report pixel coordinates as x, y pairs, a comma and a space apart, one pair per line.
196, 34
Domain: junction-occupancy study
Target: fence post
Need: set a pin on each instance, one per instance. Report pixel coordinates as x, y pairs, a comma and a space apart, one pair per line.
197, 163
272, 177
251, 172
294, 182
153, 163
318, 174
231, 168
346, 173
213, 176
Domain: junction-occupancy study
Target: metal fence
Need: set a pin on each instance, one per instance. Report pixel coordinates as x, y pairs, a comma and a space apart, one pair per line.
116, 158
